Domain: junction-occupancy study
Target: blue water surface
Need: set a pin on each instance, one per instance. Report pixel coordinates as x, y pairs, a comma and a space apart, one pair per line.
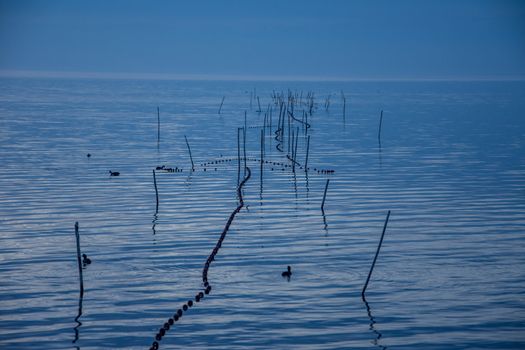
449, 164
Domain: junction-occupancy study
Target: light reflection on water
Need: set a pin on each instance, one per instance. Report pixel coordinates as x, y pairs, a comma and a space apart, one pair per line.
451, 167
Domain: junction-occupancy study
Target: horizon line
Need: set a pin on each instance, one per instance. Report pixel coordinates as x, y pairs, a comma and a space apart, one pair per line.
233, 77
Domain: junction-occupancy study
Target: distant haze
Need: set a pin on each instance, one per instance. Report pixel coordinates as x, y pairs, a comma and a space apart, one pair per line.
462, 39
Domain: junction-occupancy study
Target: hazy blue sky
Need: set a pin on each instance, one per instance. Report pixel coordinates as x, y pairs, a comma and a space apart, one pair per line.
327, 39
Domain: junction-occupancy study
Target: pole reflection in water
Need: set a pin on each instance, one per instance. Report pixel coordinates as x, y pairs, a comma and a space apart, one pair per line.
378, 334
77, 319
324, 221
154, 221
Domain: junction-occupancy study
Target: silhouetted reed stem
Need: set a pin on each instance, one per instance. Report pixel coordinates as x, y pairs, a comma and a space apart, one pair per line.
294, 148
324, 195
380, 124
289, 129
158, 126
220, 107
262, 154
189, 150
238, 154
270, 117
244, 141
307, 151
156, 191
77, 235
344, 107
375, 257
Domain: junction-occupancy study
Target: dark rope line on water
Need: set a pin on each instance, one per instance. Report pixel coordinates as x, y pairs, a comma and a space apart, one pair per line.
212, 165
279, 147
306, 124
279, 139
293, 160
207, 287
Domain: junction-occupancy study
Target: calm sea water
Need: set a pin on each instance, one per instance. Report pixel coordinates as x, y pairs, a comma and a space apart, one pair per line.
450, 167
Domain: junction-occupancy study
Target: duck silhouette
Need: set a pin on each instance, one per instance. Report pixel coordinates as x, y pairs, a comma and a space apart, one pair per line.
287, 273
114, 173
85, 260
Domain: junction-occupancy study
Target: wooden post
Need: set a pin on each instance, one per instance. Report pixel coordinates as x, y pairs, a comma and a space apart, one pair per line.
77, 235
244, 141
289, 129
344, 107
238, 154
262, 154
380, 124
324, 195
158, 126
220, 107
296, 137
307, 151
291, 148
375, 257
156, 191
306, 119
189, 150
271, 112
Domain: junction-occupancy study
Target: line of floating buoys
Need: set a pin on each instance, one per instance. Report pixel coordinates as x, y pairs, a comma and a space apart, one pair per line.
274, 166
207, 287
169, 170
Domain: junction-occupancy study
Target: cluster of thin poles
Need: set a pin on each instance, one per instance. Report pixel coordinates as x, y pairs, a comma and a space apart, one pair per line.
287, 105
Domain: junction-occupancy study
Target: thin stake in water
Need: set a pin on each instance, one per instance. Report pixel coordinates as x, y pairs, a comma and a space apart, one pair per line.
156, 191
292, 141
307, 151
189, 150
270, 131
77, 235
262, 155
295, 147
289, 129
244, 141
375, 257
220, 107
344, 105
380, 124
158, 125
324, 195
238, 154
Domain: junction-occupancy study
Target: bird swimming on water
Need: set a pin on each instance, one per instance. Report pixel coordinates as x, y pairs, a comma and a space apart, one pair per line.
287, 273
85, 260
114, 173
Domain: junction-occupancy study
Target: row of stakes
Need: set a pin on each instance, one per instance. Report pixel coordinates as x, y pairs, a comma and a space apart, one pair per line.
207, 287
